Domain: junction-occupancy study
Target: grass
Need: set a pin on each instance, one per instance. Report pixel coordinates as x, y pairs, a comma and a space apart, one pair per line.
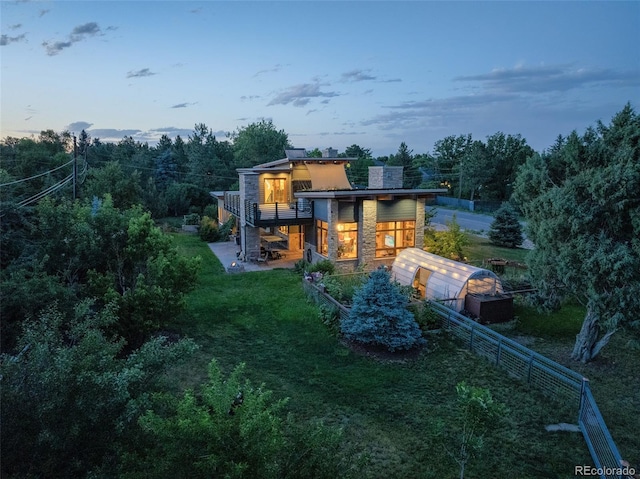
402, 414
613, 376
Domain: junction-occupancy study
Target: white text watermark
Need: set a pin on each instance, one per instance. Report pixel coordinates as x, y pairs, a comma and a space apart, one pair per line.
604, 471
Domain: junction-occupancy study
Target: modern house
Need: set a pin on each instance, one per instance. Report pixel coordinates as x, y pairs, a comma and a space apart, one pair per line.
307, 206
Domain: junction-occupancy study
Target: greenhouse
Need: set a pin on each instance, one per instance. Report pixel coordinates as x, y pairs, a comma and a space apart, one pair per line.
442, 279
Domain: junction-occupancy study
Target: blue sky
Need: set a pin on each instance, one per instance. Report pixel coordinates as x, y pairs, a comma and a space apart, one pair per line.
329, 73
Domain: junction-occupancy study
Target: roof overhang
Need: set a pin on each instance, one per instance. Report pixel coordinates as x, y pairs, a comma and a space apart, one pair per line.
372, 194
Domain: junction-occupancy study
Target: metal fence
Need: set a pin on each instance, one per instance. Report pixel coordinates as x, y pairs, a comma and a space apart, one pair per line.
551, 378
544, 374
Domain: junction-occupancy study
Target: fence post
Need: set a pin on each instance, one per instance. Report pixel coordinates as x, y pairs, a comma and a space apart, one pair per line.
473, 327
529, 370
583, 391
499, 352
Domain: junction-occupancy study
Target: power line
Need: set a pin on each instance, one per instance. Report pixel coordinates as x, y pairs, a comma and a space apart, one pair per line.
36, 176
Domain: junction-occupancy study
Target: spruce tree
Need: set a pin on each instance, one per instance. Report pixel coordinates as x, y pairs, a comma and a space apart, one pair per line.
506, 229
379, 316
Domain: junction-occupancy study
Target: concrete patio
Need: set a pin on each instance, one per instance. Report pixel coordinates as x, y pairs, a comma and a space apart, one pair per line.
227, 251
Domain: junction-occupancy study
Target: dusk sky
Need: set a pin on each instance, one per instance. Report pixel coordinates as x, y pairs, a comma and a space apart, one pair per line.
329, 73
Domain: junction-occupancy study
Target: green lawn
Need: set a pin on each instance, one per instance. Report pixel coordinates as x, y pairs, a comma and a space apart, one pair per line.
402, 414
613, 376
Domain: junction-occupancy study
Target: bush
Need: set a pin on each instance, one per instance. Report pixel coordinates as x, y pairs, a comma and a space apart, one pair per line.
330, 317
233, 429
425, 316
209, 230
379, 316
325, 267
301, 266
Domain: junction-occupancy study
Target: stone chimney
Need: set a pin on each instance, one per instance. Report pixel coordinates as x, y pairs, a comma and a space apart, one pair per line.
329, 153
385, 177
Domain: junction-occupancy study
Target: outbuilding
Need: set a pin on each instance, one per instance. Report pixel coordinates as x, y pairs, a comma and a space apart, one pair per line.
458, 285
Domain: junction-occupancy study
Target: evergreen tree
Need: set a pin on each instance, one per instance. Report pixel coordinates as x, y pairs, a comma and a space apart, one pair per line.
379, 316
506, 229
582, 207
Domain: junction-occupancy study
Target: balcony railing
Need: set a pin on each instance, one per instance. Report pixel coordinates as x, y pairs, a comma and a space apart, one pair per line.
270, 214
274, 214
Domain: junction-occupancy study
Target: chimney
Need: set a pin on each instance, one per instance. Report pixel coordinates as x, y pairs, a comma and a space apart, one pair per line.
385, 177
329, 153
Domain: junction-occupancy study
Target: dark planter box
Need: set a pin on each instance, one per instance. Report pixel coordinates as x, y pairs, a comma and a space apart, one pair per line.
489, 309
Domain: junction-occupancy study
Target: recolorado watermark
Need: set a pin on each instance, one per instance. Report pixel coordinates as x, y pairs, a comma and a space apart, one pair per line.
604, 471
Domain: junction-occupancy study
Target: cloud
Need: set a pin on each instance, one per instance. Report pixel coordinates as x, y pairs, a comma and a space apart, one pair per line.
78, 34
56, 47
548, 79
111, 134
250, 97
79, 126
275, 68
182, 105
43, 12
6, 39
81, 31
16, 26
392, 80
433, 112
357, 75
300, 95
145, 72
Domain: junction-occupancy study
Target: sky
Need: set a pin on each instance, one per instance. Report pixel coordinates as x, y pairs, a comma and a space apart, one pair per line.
328, 73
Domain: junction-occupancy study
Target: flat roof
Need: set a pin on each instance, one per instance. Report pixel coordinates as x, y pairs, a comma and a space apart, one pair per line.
373, 192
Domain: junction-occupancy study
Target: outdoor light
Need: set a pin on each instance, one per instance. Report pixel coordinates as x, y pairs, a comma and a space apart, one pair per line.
340, 227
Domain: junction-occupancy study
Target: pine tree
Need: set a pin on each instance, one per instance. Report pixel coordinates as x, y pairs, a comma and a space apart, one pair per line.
379, 316
506, 229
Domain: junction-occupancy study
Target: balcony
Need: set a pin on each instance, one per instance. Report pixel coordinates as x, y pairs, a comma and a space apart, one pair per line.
271, 214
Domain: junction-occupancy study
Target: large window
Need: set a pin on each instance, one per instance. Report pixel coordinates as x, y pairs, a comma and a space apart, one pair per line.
394, 236
347, 240
322, 237
275, 190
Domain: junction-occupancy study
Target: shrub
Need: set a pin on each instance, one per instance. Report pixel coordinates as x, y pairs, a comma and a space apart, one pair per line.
330, 317
209, 230
425, 316
325, 267
301, 266
379, 316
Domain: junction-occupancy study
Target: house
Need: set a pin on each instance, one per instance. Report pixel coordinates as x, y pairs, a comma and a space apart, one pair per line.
307, 207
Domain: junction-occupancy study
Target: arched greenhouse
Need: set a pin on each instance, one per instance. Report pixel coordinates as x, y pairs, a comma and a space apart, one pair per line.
456, 285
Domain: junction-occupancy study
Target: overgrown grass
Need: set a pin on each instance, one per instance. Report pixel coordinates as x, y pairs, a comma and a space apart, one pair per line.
402, 414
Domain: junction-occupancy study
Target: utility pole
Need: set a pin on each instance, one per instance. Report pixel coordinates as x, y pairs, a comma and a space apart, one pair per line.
75, 166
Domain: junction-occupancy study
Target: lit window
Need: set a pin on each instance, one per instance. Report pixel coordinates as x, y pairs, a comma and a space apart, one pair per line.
322, 237
275, 190
394, 236
347, 240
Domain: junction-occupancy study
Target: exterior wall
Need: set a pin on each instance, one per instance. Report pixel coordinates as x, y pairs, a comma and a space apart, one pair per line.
367, 248
250, 236
420, 205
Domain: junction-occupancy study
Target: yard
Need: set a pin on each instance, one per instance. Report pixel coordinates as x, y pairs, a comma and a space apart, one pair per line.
401, 414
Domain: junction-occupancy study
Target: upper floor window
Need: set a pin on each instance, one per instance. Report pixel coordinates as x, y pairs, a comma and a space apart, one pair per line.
275, 190
394, 236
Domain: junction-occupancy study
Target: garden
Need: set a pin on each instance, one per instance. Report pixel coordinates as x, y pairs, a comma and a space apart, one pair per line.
400, 417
